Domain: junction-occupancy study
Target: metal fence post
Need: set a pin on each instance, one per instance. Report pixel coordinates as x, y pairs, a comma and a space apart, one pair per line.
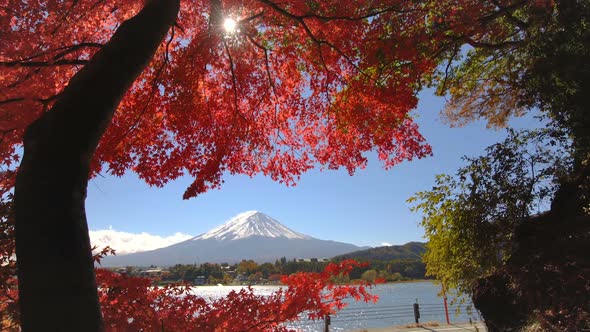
417, 311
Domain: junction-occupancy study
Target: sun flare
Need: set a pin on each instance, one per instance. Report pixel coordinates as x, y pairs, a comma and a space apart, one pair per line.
229, 25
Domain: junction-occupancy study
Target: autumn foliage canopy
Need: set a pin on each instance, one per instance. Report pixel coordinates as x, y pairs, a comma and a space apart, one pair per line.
294, 84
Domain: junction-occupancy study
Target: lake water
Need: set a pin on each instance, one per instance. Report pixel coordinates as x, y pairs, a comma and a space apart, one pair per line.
395, 307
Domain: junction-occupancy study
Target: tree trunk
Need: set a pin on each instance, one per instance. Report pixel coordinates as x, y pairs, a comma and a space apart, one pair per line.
57, 286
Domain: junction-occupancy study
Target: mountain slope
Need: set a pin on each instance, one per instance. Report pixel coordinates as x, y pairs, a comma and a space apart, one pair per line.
410, 250
250, 235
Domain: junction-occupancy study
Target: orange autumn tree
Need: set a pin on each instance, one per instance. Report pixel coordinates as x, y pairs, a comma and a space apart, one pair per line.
167, 88
130, 304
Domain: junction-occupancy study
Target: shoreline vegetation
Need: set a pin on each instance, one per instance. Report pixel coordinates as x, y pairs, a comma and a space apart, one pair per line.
248, 272
352, 282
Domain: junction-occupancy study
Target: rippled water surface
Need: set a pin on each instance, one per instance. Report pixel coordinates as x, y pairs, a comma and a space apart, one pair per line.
395, 307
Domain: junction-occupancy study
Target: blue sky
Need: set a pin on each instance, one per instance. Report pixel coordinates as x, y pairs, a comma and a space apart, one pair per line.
368, 208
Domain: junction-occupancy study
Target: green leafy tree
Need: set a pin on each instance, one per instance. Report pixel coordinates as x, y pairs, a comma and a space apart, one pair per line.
369, 275
267, 269
470, 219
247, 267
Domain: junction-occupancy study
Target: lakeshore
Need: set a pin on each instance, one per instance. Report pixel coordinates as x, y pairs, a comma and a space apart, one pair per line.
394, 309
459, 327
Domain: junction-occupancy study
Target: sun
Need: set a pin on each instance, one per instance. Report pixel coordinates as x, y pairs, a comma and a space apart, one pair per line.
230, 25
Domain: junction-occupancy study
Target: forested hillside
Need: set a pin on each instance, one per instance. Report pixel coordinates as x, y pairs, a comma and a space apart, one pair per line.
410, 250
392, 263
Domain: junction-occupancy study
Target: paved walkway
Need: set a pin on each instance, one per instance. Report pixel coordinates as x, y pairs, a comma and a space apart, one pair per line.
462, 327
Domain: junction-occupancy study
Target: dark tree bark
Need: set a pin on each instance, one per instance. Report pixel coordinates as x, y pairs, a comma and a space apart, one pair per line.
57, 286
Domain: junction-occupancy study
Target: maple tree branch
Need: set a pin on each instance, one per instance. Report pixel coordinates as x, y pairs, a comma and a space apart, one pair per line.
64, 17
501, 10
320, 42
332, 46
496, 46
64, 62
44, 101
94, 6
74, 48
234, 81
269, 75
153, 88
65, 50
267, 64
4, 236
448, 67
341, 18
443, 48
507, 11
301, 20
11, 100
253, 17
456, 41
24, 79
326, 88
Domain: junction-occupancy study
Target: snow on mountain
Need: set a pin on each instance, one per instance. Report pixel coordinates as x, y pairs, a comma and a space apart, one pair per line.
249, 235
251, 223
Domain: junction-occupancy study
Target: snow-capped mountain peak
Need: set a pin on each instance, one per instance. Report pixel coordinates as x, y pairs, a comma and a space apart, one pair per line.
251, 223
249, 235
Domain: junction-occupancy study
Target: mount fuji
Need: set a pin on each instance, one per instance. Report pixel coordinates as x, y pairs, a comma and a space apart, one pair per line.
249, 235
